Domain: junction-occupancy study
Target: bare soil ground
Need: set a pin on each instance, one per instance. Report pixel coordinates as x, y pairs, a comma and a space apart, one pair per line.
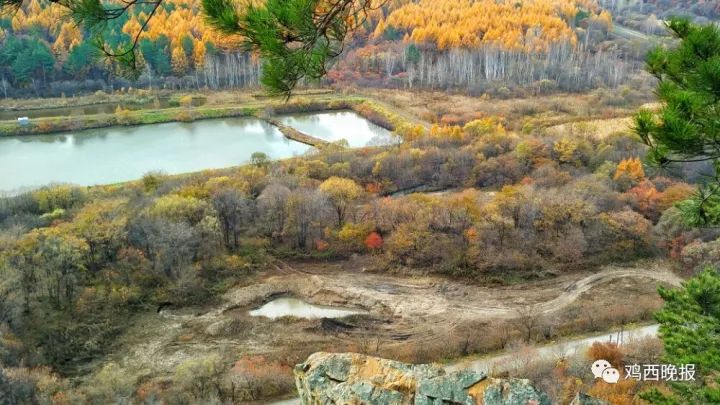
402, 311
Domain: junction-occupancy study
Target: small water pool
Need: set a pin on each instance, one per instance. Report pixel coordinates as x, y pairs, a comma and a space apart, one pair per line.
287, 306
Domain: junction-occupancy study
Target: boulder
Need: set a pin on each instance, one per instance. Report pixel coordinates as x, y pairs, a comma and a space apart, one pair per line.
584, 399
350, 378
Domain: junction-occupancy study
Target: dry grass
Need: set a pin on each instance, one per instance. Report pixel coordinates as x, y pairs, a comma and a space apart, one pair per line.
135, 96
536, 111
599, 129
596, 129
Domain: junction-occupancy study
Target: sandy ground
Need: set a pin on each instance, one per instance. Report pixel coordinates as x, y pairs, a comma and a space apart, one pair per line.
402, 310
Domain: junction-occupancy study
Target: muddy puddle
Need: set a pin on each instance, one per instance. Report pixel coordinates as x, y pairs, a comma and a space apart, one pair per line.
288, 306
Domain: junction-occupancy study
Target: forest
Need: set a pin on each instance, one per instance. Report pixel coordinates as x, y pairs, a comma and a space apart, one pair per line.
701, 11
79, 263
44, 52
541, 46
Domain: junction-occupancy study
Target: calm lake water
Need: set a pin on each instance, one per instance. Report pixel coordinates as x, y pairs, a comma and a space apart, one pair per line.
294, 307
118, 154
111, 155
334, 126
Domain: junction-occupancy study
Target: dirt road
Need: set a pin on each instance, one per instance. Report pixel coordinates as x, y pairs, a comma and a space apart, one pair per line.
434, 296
629, 33
503, 361
403, 312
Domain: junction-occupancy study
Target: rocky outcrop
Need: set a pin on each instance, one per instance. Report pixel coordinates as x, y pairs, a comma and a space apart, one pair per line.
349, 378
584, 399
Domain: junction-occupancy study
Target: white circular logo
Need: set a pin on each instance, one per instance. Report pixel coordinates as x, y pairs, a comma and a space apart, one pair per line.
611, 375
599, 366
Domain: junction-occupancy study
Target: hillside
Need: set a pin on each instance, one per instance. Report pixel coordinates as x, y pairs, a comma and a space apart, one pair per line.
426, 200
530, 26
543, 45
432, 237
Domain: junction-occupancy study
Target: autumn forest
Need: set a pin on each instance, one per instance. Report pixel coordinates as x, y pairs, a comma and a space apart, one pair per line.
519, 187
546, 45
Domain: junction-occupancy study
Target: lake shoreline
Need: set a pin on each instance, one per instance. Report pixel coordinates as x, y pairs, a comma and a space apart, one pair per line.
186, 147
259, 109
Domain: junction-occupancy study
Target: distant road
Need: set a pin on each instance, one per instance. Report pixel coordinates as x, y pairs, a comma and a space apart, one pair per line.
628, 33
504, 361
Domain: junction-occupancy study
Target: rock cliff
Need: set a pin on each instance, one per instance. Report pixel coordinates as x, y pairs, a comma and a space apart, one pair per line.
349, 378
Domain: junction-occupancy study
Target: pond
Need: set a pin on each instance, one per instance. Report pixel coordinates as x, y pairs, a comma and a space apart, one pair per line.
337, 125
287, 306
111, 155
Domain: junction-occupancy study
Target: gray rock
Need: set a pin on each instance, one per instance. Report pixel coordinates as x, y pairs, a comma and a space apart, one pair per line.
349, 378
584, 399
513, 392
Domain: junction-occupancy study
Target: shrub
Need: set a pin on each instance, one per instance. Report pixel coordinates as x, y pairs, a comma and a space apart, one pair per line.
44, 126
352, 235
629, 172
606, 351
152, 180
111, 385
178, 208
484, 126
255, 377
186, 116
374, 241
50, 199
122, 116
199, 378
185, 101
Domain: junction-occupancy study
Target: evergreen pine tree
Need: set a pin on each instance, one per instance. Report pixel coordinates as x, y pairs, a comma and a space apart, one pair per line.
687, 128
690, 330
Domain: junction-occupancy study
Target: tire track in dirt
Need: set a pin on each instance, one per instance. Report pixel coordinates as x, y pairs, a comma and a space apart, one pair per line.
572, 291
425, 298
576, 289
423, 307
419, 310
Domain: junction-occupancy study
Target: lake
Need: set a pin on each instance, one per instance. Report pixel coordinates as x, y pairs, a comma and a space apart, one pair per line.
111, 155
118, 154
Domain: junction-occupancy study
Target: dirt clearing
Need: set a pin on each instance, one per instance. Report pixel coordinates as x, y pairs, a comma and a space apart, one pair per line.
402, 312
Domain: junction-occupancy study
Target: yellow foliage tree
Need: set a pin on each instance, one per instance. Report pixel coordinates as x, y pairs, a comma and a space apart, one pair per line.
630, 170
528, 25
341, 192
179, 61
565, 150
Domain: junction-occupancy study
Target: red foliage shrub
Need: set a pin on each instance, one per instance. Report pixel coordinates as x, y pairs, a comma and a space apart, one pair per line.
606, 351
374, 241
